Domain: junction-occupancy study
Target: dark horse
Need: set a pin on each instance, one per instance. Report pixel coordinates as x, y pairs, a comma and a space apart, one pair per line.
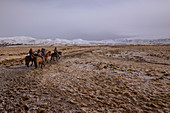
56, 55
29, 59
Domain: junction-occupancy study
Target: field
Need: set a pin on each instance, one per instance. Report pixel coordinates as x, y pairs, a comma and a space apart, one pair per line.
87, 78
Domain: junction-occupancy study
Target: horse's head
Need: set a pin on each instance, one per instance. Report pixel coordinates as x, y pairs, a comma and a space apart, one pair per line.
60, 53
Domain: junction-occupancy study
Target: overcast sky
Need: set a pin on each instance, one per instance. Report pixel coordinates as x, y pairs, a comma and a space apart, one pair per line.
86, 19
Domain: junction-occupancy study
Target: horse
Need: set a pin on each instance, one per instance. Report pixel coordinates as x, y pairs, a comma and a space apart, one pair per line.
29, 59
46, 55
40, 61
56, 55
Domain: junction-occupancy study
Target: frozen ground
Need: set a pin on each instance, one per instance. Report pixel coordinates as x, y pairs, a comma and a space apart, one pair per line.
118, 78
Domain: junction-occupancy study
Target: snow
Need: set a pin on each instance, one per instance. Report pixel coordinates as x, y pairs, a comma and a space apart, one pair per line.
133, 40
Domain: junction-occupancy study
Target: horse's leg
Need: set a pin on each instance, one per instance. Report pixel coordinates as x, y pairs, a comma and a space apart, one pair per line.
51, 58
32, 63
44, 60
27, 64
35, 63
41, 64
56, 58
47, 60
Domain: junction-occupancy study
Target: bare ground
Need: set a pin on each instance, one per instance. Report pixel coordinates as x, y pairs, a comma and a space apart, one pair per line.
120, 78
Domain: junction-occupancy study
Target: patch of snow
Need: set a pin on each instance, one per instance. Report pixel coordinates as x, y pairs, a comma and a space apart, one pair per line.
133, 40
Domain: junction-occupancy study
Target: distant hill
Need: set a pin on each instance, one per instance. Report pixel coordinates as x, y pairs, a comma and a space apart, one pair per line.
24, 40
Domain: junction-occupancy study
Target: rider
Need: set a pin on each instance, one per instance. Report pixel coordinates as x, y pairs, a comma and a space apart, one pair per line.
31, 53
39, 53
55, 50
43, 51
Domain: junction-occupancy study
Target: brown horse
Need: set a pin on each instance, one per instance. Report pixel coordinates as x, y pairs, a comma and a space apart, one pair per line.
55, 55
46, 55
40, 61
29, 59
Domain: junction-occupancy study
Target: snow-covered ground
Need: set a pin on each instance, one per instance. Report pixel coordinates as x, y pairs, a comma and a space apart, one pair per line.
133, 40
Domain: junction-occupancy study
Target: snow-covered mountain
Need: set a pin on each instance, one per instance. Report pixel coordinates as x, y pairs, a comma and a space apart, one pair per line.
30, 40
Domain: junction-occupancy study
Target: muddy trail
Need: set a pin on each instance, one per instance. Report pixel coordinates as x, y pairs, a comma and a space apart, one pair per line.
87, 81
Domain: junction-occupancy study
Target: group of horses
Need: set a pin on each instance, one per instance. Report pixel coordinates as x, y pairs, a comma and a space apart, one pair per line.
41, 60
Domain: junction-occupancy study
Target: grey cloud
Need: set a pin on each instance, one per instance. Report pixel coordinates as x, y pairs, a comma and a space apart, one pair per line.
86, 19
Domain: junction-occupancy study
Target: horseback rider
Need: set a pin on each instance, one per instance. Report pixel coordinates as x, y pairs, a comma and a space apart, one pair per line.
43, 51
39, 53
31, 53
55, 50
